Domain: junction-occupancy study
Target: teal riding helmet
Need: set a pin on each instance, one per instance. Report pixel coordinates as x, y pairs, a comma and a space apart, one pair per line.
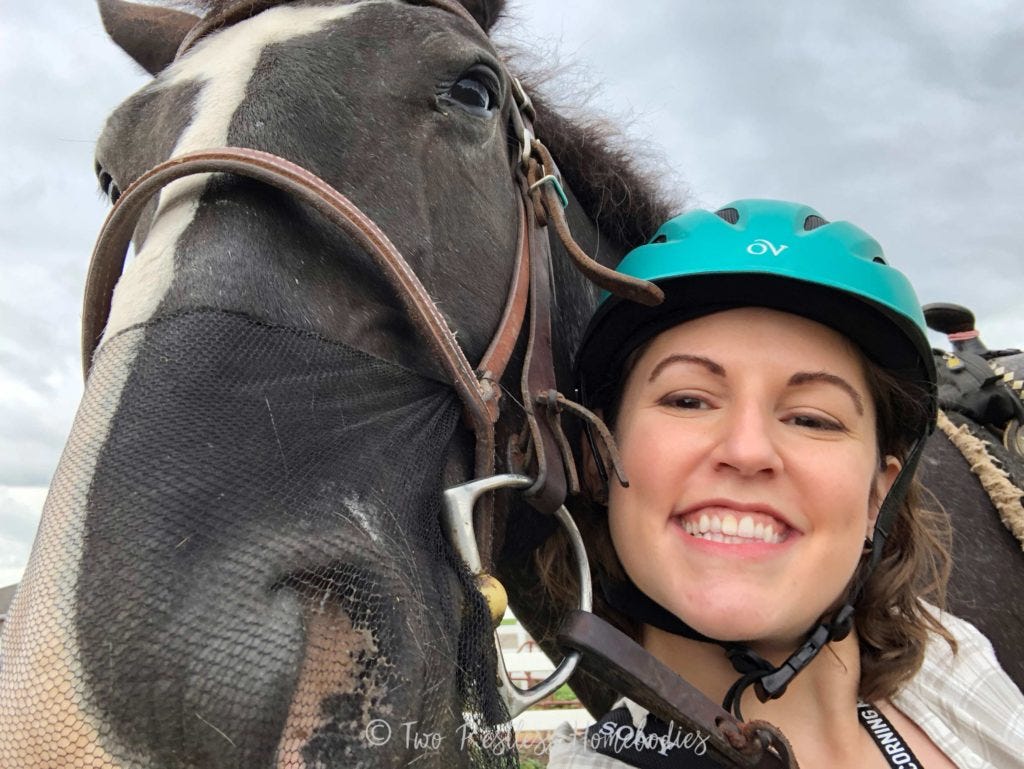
764, 253
784, 256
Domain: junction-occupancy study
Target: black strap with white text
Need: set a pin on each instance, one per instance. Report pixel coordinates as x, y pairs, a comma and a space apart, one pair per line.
896, 751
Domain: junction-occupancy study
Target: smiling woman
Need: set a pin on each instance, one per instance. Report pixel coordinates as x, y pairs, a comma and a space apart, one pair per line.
704, 439
769, 417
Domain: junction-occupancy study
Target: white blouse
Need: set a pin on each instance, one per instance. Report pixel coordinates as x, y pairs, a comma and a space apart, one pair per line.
965, 703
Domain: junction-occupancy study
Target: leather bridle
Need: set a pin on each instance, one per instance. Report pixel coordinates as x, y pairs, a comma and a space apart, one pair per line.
551, 472
477, 387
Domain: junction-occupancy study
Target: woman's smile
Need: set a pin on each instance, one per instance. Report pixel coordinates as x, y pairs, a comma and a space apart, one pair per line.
724, 523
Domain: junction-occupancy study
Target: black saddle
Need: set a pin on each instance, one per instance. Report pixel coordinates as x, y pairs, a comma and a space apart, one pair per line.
986, 386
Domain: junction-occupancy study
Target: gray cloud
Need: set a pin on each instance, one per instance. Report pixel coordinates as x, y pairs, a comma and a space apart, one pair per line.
19, 517
901, 117
59, 77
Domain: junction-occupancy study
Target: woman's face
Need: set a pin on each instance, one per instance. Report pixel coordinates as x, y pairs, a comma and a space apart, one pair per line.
748, 437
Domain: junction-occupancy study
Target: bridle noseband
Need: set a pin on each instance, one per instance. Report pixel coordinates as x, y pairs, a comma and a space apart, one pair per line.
467, 517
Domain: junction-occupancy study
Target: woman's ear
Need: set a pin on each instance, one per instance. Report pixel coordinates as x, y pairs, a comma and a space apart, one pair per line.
884, 479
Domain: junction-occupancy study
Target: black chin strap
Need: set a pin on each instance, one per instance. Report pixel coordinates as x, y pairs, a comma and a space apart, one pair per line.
769, 681
627, 598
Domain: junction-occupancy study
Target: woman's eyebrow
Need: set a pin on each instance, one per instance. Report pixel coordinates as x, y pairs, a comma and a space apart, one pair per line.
806, 377
700, 360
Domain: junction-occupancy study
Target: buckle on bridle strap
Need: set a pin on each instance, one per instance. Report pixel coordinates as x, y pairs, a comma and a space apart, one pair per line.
522, 117
459, 502
556, 183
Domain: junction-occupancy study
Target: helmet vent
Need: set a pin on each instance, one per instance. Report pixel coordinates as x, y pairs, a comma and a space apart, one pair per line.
879, 260
730, 215
813, 222
660, 239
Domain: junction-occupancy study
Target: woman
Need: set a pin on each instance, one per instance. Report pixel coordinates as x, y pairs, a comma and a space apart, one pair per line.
769, 416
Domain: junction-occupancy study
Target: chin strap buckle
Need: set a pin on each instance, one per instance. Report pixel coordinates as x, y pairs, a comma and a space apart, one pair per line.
771, 682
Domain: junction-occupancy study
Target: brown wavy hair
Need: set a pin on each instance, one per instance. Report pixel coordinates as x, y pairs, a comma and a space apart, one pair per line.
893, 625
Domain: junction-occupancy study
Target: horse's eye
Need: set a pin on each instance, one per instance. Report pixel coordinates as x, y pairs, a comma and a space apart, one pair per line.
472, 93
476, 91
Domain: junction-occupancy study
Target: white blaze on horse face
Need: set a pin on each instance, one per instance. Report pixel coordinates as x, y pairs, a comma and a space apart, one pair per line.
224, 64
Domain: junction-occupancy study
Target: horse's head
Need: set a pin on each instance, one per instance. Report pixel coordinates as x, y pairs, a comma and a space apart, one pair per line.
402, 107
241, 561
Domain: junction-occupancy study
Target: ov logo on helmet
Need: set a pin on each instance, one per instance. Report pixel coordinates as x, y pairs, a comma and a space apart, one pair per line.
760, 247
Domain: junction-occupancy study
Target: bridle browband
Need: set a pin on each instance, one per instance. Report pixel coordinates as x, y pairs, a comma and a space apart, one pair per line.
595, 645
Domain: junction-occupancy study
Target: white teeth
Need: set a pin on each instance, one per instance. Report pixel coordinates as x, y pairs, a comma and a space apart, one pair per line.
727, 529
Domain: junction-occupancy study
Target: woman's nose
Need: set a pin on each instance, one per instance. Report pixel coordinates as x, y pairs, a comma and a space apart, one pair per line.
747, 443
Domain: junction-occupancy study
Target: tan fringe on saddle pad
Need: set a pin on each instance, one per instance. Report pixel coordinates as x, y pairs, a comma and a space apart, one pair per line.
1008, 499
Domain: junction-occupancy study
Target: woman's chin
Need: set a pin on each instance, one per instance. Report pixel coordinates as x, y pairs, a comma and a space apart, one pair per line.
744, 621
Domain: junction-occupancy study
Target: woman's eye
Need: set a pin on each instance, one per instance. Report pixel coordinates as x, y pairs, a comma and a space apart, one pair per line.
474, 92
816, 422
686, 402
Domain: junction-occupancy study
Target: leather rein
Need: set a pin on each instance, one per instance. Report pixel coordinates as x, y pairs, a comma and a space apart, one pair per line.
594, 643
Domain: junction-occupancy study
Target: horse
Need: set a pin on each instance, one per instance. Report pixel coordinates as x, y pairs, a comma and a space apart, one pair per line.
975, 471
241, 561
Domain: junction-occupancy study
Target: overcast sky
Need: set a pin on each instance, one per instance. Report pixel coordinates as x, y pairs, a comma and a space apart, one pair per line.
903, 117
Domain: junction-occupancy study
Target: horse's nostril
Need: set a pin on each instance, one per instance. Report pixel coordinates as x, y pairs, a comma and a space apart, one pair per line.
110, 189
356, 590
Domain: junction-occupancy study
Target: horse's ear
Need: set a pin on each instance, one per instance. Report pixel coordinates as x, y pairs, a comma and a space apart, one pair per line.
148, 34
486, 12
